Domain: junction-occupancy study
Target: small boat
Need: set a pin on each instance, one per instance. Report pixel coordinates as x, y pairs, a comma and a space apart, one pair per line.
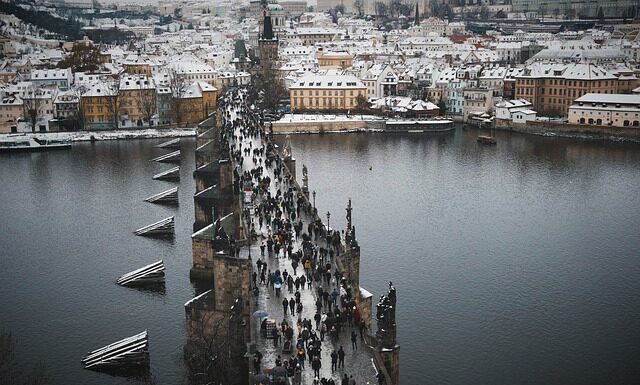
150, 274
486, 139
22, 142
130, 352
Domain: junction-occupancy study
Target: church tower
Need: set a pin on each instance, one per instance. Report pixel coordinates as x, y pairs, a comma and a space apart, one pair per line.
267, 41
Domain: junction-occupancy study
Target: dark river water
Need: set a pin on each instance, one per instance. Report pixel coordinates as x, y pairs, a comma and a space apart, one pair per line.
514, 264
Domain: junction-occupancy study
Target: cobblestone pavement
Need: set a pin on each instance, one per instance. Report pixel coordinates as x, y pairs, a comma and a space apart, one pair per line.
358, 361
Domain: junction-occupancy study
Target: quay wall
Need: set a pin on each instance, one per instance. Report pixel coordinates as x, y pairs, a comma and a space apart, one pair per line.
316, 127
631, 134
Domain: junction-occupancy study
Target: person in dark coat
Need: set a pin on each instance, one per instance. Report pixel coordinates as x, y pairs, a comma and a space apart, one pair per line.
354, 340
341, 358
334, 361
316, 365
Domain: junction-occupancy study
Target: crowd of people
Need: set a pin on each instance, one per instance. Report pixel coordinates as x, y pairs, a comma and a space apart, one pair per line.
276, 217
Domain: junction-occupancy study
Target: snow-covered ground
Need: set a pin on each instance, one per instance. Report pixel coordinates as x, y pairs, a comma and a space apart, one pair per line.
112, 135
326, 117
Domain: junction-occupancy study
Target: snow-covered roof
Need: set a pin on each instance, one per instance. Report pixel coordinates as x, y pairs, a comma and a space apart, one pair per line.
514, 103
574, 71
609, 99
329, 80
54, 74
136, 82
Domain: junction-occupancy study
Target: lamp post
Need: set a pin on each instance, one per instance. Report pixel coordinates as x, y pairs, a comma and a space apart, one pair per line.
328, 217
314, 199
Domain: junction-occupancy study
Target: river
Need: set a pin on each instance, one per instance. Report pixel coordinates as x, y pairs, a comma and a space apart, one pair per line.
516, 263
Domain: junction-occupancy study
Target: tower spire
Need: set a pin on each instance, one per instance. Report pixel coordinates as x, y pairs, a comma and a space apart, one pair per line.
267, 34
417, 21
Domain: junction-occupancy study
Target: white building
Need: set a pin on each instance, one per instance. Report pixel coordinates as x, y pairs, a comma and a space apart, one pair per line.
516, 111
615, 110
59, 77
380, 80
493, 79
477, 101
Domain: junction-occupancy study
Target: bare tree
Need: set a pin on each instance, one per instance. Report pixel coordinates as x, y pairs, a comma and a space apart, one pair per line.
112, 95
11, 372
31, 106
178, 88
362, 104
272, 89
79, 115
381, 8
394, 7
359, 6
147, 102
569, 13
210, 354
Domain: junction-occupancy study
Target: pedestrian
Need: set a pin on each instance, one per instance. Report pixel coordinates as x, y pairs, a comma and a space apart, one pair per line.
363, 329
345, 380
316, 365
276, 337
257, 358
334, 360
323, 331
352, 381
380, 377
299, 308
292, 305
256, 294
301, 357
285, 305
341, 357
354, 340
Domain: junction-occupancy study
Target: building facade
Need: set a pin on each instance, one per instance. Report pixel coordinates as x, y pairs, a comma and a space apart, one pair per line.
335, 92
552, 88
615, 110
10, 111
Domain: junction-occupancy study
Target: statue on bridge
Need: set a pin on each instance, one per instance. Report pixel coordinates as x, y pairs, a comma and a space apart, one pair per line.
386, 317
350, 236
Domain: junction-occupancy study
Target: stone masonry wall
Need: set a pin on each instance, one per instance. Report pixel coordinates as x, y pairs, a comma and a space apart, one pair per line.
232, 279
311, 126
202, 252
572, 130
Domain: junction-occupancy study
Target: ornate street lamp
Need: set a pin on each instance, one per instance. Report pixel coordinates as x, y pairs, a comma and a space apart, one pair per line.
314, 200
328, 227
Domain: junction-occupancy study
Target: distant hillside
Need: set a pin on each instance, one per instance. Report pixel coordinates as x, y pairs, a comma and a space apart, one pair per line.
69, 29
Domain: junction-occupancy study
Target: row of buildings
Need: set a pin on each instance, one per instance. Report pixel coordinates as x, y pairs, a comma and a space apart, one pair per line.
173, 77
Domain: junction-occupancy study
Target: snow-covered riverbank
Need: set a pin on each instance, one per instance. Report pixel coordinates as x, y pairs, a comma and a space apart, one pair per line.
112, 135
